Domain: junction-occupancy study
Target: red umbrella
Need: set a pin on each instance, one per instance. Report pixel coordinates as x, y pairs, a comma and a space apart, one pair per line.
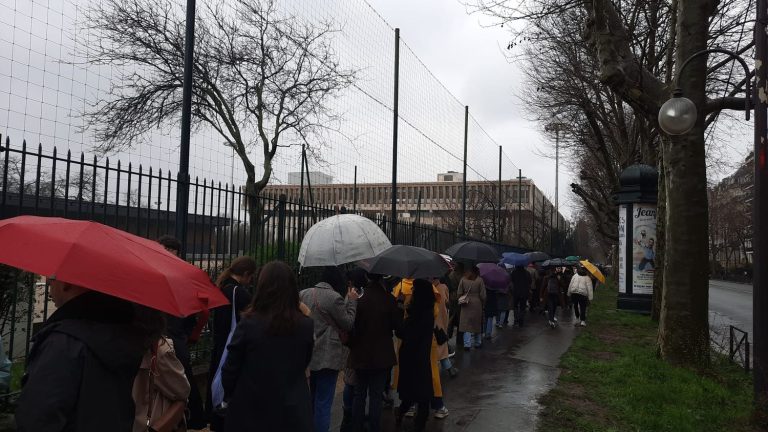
107, 260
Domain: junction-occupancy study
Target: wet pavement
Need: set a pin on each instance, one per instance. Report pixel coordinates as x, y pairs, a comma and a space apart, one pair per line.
498, 386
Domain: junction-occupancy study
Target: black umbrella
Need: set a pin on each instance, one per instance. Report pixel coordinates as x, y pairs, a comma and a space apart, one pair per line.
558, 262
537, 256
473, 251
407, 262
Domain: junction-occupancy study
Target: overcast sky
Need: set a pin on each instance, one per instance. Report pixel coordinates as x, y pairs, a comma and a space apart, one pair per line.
467, 56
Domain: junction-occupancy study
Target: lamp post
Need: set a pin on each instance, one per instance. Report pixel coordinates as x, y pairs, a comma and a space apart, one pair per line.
676, 117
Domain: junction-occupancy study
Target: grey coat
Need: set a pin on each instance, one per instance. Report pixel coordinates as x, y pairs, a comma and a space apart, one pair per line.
472, 314
330, 313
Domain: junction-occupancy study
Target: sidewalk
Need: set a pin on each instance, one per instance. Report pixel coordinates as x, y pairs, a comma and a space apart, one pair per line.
498, 386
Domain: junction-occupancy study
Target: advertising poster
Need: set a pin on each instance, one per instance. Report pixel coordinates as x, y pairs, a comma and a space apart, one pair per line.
643, 248
622, 249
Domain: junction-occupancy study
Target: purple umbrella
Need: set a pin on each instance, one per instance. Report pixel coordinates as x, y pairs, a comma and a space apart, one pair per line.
495, 277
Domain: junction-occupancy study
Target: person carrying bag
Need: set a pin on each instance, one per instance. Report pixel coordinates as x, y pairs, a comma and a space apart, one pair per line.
160, 391
217, 389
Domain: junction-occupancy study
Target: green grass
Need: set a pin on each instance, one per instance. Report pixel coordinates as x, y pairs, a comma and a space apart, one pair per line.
612, 380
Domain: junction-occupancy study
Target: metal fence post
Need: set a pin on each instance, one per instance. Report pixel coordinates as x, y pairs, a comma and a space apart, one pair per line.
281, 227
464, 178
394, 134
498, 230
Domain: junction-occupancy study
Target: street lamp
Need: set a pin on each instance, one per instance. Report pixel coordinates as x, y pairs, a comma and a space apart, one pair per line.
676, 117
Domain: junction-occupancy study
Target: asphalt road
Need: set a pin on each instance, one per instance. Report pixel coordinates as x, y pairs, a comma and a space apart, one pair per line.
730, 303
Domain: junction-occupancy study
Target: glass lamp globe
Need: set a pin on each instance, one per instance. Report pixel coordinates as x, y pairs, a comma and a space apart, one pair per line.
677, 116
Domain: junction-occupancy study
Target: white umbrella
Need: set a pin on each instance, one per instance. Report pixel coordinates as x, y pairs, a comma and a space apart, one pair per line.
342, 239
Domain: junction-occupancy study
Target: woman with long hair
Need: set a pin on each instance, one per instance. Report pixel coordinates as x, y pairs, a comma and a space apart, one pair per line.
415, 380
264, 375
234, 282
472, 290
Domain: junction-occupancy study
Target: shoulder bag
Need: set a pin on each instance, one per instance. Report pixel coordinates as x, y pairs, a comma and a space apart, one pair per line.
169, 420
217, 388
464, 300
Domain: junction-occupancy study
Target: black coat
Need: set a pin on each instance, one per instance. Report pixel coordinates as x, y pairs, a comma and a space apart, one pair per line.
415, 379
521, 282
376, 318
222, 323
81, 368
264, 378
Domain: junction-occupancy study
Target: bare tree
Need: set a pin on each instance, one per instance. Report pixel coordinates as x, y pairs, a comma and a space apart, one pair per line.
262, 79
631, 50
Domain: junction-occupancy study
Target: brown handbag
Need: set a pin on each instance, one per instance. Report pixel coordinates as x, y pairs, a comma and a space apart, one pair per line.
170, 419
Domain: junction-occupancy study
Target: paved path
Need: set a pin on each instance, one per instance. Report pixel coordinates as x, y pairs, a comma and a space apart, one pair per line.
498, 386
730, 303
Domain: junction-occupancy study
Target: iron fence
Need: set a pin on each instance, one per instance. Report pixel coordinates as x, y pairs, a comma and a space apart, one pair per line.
141, 201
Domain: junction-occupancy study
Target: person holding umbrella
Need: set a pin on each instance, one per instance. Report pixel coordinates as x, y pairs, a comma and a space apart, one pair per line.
334, 318
472, 297
82, 365
81, 368
372, 353
580, 290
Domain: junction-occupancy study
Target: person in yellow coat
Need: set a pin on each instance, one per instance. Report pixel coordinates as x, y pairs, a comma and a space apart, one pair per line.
403, 292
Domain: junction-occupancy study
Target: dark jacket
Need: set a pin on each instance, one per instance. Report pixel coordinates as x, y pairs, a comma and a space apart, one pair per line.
377, 317
222, 322
415, 379
264, 378
521, 282
81, 368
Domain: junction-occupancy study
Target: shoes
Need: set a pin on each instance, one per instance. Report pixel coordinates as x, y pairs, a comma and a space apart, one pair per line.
441, 413
467, 348
478, 346
583, 323
453, 372
411, 412
451, 354
552, 324
555, 319
498, 326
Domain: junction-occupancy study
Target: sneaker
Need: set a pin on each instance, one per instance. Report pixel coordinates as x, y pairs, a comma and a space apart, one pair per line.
583, 323
555, 319
552, 324
411, 412
451, 354
499, 326
441, 413
478, 346
453, 372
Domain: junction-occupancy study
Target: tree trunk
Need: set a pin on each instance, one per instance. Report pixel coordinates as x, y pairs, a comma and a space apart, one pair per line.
683, 327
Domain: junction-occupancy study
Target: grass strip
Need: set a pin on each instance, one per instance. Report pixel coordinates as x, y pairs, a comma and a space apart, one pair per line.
613, 380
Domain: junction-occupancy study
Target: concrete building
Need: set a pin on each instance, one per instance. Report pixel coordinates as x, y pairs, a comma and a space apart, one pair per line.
439, 203
315, 178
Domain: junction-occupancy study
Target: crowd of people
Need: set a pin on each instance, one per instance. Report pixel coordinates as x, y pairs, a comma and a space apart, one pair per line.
102, 363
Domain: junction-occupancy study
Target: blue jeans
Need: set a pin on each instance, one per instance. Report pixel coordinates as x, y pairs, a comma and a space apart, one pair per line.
503, 317
489, 326
468, 337
446, 364
322, 385
371, 384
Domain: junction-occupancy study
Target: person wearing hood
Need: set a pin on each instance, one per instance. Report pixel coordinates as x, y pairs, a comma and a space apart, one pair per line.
81, 368
580, 289
334, 318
